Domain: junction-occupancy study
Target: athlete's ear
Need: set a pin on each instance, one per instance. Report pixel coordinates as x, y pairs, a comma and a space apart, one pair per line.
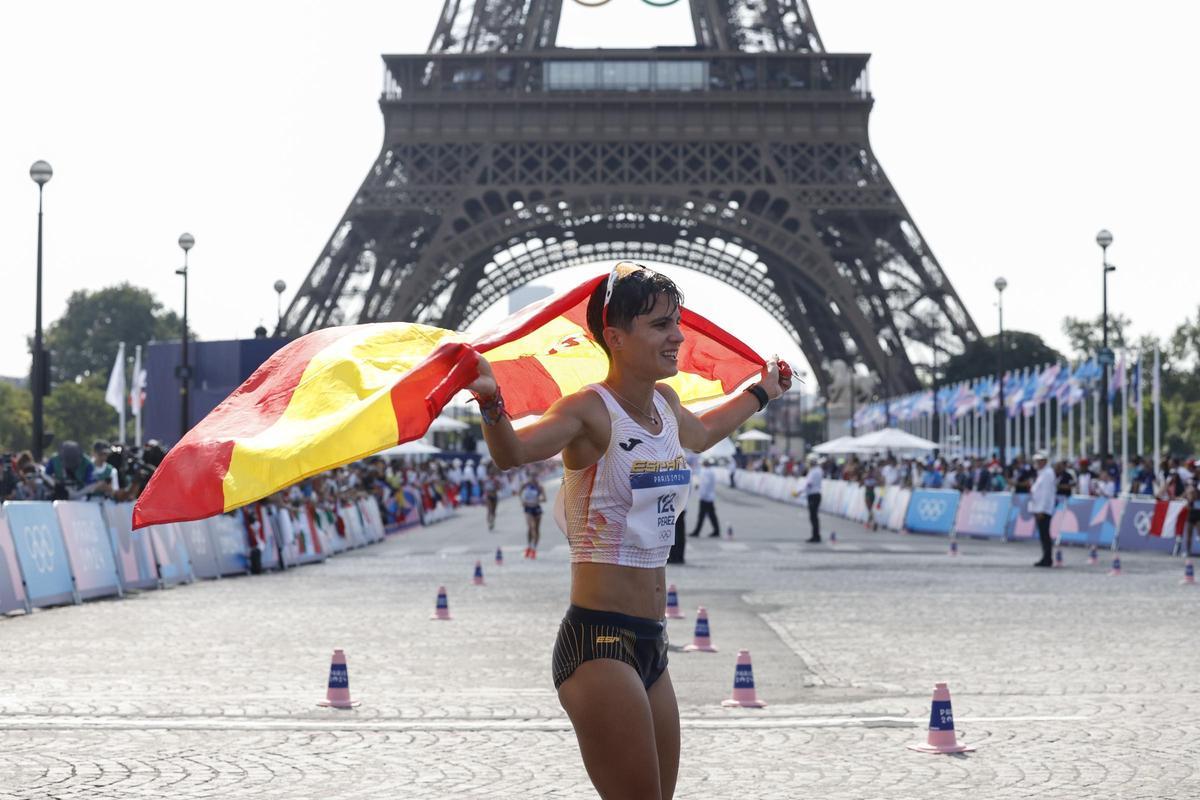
614, 338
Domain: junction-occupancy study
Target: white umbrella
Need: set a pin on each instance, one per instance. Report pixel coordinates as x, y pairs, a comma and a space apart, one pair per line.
893, 439
417, 447
447, 424
842, 444
754, 436
722, 449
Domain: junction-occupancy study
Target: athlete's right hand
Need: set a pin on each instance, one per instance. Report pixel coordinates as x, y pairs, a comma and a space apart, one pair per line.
485, 384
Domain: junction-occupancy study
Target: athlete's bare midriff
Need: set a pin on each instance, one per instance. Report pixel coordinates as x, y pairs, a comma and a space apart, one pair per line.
636, 591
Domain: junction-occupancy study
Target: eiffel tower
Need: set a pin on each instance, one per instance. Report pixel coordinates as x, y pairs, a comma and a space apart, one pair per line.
745, 157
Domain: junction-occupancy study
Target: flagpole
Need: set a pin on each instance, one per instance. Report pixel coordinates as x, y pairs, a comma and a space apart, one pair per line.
1156, 396
1141, 380
1070, 429
121, 411
137, 385
1124, 430
1096, 417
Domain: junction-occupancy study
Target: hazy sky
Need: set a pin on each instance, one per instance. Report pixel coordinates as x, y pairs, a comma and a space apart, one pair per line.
1012, 131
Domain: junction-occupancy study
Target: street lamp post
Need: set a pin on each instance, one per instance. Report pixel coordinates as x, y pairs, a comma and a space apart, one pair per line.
186, 243
280, 288
41, 173
1001, 285
1104, 239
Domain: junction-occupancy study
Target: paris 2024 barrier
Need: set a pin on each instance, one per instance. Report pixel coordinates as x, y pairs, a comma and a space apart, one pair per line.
1128, 523
67, 552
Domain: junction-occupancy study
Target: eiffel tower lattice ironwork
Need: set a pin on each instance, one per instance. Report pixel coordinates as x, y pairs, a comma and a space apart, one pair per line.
744, 157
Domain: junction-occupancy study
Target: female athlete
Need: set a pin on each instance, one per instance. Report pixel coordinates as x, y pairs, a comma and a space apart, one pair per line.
625, 479
532, 497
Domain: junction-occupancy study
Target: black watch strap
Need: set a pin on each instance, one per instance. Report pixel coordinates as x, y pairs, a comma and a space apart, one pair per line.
760, 394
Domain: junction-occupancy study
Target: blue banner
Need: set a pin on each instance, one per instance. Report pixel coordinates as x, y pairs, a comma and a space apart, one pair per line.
932, 511
41, 553
89, 550
1136, 529
983, 514
12, 591
200, 549
135, 561
229, 540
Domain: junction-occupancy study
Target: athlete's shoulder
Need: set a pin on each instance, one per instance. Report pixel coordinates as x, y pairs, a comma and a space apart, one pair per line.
666, 391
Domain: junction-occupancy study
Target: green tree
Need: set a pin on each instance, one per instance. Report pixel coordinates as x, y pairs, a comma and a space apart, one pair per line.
16, 418
77, 411
1087, 335
83, 341
980, 357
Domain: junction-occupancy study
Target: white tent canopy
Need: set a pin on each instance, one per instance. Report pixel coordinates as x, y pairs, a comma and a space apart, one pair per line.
842, 444
754, 436
447, 425
892, 439
417, 447
722, 449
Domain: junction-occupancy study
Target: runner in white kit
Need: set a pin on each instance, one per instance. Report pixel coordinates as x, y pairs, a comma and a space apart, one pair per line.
625, 480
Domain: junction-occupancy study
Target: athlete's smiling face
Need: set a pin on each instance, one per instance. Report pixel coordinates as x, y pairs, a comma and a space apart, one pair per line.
650, 348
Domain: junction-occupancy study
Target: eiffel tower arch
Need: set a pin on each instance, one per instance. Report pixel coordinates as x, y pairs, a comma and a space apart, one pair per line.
745, 157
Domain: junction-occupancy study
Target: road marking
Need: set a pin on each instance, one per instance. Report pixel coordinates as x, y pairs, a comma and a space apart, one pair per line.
453, 550
733, 547
31, 722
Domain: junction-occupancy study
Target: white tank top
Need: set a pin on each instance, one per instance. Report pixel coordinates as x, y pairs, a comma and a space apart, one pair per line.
622, 509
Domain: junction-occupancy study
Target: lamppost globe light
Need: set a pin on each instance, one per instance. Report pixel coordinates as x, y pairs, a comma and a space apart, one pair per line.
187, 241
41, 172
280, 287
1001, 284
1104, 238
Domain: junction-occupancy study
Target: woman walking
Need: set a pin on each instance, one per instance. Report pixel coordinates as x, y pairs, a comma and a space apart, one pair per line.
625, 480
532, 497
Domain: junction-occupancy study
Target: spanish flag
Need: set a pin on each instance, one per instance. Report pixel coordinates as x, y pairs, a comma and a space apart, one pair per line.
340, 394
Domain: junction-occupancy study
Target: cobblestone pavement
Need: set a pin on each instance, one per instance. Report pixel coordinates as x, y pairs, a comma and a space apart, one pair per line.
1071, 683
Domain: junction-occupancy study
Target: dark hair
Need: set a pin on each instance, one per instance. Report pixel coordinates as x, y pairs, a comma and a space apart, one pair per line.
634, 294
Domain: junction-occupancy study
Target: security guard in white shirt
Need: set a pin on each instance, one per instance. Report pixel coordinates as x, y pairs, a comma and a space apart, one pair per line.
1041, 504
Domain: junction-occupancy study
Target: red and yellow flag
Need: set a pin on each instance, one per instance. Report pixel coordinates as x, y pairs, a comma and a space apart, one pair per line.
340, 394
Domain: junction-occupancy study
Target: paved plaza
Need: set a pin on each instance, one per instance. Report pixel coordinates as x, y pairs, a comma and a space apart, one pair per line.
1069, 682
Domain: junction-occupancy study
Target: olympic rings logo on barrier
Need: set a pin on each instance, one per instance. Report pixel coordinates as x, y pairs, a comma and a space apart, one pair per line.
930, 510
1141, 523
41, 549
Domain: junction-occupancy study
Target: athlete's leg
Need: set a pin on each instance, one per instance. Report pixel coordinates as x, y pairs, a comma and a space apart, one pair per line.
537, 531
611, 713
666, 732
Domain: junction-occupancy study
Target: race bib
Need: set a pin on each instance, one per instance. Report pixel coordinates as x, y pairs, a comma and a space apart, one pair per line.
658, 499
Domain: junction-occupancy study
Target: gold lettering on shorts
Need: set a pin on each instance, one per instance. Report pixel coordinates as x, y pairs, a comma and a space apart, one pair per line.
607, 639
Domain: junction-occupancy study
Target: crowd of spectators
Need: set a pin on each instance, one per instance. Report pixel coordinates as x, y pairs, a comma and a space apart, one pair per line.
406, 488
1098, 477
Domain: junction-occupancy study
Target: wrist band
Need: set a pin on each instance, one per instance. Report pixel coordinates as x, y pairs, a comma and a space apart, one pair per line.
491, 409
760, 394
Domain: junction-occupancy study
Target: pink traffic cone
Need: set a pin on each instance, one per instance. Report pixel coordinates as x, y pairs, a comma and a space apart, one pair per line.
953, 547
1093, 556
1116, 567
1058, 557
942, 737
478, 579
700, 641
338, 693
673, 611
744, 695
443, 605
499, 557
1189, 573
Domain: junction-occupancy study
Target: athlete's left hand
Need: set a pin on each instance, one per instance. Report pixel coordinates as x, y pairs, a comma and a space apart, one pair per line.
775, 381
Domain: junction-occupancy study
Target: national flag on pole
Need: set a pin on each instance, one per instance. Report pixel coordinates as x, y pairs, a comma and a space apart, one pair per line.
137, 390
115, 394
1168, 518
1135, 382
340, 394
1117, 379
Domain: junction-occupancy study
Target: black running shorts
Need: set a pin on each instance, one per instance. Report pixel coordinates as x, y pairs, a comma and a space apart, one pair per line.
585, 635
